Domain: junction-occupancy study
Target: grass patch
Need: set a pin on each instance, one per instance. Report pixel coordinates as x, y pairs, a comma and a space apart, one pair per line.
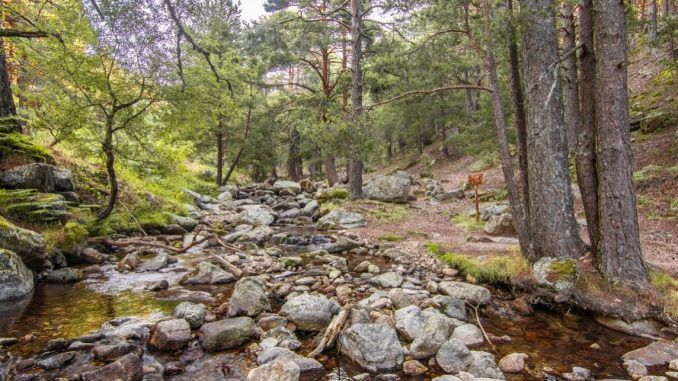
467, 223
383, 211
668, 288
646, 174
390, 238
497, 269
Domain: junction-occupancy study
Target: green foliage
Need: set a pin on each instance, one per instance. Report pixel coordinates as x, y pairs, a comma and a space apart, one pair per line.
74, 235
29, 206
390, 238
496, 269
667, 285
21, 145
648, 173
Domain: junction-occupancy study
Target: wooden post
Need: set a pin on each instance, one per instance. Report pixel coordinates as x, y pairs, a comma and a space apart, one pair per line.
476, 180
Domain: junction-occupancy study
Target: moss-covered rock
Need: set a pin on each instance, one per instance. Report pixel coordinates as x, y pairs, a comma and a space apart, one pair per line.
33, 207
29, 245
16, 281
559, 274
18, 149
75, 235
329, 194
657, 121
152, 221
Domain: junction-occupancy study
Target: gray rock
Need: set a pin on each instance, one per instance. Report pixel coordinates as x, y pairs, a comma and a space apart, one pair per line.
158, 262
310, 208
388, 189
513, 363
111, 352
284, 337
310, 312
92, 256
387, 280
559, 274
27, 244
452, 307
447, 377
500, 225
279, 370
187, 223
128, 368
343, 219
471, 293
341, 245
578, 374
657, 353
643, 327
194, 314
226, 333
57, 361
272, 354
400, 298
64, 275
255, 215
42, 177
634, 368
453, 356
468, 334
208, 273
249, 298
291, 186
409, 322
170, 335
16, 280
485, 366
374, 346
435, 332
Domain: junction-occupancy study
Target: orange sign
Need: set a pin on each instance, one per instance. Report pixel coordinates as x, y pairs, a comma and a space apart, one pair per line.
475, 179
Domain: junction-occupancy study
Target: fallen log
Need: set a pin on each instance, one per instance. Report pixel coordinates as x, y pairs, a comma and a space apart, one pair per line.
332, 332
227, 265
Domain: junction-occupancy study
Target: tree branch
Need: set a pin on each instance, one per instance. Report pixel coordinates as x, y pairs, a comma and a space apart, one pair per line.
426, 92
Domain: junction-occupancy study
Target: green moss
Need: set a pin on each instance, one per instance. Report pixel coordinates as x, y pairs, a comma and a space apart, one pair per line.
564, 267
121, 222
384, 211
334, 193
499, 269
667, 286
390, 238
74, 235
17, 144
467, 223
30, 206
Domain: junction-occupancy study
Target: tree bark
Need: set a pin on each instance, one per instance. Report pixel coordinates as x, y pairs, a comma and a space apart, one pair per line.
555, 232
8, 113
521, 222
518, 106
248, 122
652, 23
331, 170
585, 153
569, 76
355, 173
107, 147
619, 255
292, 156
220, 155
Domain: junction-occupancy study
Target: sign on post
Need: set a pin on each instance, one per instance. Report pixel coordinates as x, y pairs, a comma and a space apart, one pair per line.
476, 179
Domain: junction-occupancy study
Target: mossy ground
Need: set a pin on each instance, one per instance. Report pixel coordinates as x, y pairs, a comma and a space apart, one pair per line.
16, 144
468, 223
667, 286
31, 207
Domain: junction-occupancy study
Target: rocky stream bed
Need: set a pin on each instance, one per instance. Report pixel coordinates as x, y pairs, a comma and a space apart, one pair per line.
261, 289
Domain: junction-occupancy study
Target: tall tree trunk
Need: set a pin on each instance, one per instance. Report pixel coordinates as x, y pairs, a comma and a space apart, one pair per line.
331, 170
8, 113
619, 255
293, 155
220, 155
553, 226
355, 174
665, 8
652, 24
569, 76
518, 106
248, 122
520, 219
107, 147
585, 154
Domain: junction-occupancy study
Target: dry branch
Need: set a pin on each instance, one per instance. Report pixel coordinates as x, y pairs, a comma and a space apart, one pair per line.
331, 332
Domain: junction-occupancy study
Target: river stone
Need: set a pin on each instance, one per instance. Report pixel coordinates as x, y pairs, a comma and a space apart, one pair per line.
413, 368
291, 186
453, 356
470, 293
170, 335
634, 368
187, 223
279, 370
284, 338
16, 280
500, 225
387, 280
42, 177
64, 275
559, 274
57, 361
388, 189
374, 346
249, 298
194, 314
208, 273
92, 256
452, 307
658, 353
468, 334
255, 215
272, 354
645, 327
343, 219
309, 312
127, 368
226, 333
310, 208
513, 363
341, 245
400, 298
158, 262
485, 366
436, 331
447, 377
409, 322
27, 244
111, 352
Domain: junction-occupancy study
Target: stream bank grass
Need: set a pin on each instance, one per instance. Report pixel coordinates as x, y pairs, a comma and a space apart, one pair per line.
494, 269
668, 288
467, 223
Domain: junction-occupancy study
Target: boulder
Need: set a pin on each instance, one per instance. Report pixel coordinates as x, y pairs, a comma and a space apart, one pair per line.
290, 186
658, 353
329, 194
284, 338
64, 275
158, 262
226, 333
435, 332
208, 273
453, 356
388, 189
170, 335
279, 370
343, 219
16, 280
249, 298
484, 366
27, 244
500, 225
387, 280
452, 307
375, 347
310, 312
39, 176
409, 322
643, 327
193, 313
187, 223
471, 293
272, 354
513, 363
255, 215
57, 361
128, 368
558, 274
111, 352
468, 334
